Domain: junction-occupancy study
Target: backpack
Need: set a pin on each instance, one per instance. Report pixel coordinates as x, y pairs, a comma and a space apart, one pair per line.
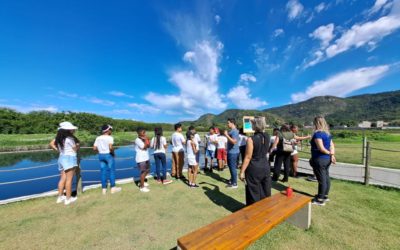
288, 145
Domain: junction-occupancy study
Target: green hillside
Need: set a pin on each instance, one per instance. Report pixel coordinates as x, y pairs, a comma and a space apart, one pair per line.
343, 111
338, 111
208, 120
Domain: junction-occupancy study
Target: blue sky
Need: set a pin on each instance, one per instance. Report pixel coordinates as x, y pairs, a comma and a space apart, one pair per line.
176, 60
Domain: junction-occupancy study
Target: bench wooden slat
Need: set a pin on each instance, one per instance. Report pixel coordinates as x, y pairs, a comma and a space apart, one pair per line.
226, 224
243, 227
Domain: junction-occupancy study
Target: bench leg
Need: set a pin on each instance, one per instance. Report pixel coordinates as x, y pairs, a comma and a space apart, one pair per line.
302, 218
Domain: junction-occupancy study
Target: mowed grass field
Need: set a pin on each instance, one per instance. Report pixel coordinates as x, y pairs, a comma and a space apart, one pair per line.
349, 151
357, 217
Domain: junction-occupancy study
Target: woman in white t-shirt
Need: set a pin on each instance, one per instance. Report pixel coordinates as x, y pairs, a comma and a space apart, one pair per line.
142, 143
159, 145
104, 145
192, 147
67, 145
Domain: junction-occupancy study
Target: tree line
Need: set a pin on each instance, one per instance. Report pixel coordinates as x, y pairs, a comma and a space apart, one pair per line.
44, 122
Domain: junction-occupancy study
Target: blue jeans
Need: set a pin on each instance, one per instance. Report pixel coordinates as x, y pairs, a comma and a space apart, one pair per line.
232, 164
107, 162
161, 161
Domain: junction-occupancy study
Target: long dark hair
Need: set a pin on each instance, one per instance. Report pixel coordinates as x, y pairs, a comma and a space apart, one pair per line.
63, 134
158, 132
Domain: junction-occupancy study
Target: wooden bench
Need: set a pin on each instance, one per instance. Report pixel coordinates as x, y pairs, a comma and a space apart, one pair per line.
240, 229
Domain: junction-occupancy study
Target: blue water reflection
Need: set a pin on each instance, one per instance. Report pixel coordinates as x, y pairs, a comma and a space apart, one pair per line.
88, 162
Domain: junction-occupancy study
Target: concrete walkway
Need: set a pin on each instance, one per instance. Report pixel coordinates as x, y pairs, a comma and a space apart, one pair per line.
352, 172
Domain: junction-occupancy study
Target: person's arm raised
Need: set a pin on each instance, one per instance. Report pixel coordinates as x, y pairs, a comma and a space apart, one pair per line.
247, 158
301, 138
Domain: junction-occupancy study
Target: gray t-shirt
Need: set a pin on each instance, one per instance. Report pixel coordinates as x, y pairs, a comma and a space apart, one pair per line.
234, 148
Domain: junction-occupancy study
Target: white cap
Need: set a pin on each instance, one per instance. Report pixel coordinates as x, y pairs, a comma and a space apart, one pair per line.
67, 126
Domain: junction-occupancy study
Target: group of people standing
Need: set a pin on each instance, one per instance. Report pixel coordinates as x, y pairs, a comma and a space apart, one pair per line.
225, 146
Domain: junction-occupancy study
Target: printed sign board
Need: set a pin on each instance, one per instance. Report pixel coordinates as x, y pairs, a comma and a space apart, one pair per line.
247, 128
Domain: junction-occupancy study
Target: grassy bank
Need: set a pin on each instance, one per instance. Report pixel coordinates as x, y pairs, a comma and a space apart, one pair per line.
133, 220
17, 142
348, 149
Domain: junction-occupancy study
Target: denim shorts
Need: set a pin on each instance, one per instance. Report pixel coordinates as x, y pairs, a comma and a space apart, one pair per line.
210, 153
66, 162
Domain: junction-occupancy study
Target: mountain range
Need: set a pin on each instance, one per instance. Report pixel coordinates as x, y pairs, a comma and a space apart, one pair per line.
338, 111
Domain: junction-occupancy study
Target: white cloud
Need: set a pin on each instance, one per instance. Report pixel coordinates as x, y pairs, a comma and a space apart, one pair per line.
119, 94
360, 35
96, 100
30, 108
324, 34
122, 111
240, 94
245, 78
278, 32
294, 8
343, 83
44, 108
241, 97
379, 4
217, 19
262, 59
320, 7
143, 109
65, 94
197, 84
367, 34
188, 56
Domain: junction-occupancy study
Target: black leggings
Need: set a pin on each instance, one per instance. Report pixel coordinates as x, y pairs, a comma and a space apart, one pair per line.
282, 157
321, 171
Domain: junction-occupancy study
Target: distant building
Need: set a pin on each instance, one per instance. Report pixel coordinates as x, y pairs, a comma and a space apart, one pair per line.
365, 124
380, 124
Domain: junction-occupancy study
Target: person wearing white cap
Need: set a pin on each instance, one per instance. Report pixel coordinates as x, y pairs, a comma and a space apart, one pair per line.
104, 145
67, 145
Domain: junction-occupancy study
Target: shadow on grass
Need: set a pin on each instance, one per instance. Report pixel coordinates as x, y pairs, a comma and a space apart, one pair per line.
221, 199
216, 177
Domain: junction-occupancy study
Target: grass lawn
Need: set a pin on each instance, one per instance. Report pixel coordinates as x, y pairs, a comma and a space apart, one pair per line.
351, 152
358, 217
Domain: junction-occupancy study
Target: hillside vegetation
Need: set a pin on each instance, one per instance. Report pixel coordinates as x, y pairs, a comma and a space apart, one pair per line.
44, 122
343, 111
338, 111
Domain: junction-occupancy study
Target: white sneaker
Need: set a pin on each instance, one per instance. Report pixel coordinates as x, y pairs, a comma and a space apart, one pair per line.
144, 190
104, 191
60, 199
70, 200
146, 184
115, 190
